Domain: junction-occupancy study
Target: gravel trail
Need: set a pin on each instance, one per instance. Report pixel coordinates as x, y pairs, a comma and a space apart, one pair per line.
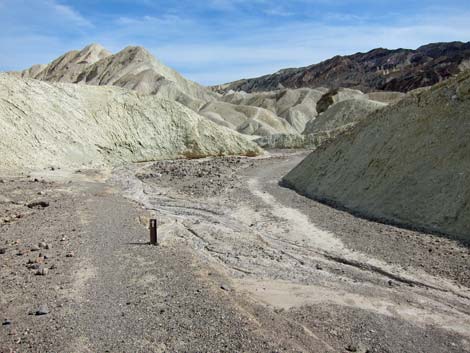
291, 253
243, 265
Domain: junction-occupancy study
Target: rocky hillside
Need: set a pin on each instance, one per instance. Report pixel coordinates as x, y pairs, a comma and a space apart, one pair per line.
248, 120
295, 106
408, 163
44, 124
346, 112
136, 69
133, 68
380, 69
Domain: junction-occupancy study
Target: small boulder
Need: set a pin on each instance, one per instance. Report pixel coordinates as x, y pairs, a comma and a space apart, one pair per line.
38, 204
33, 266
42, 271
42, 310
225, 287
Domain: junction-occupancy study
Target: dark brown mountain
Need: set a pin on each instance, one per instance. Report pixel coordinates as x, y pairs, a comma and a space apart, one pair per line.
379, 69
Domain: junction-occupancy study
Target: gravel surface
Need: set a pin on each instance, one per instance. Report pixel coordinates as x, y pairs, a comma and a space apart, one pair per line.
389, 293
109, 291
243, 265
226, 179
434, 254
198, 178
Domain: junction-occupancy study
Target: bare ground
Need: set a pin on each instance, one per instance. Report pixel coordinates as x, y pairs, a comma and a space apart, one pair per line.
243, 265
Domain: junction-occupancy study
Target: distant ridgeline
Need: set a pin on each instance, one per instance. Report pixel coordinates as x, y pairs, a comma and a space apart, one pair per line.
399, 70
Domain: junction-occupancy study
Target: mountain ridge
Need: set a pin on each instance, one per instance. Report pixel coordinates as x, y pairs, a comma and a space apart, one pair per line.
94, 65
378, 69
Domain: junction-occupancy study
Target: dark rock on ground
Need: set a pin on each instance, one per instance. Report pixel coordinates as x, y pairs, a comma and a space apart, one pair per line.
42, 310
38, 204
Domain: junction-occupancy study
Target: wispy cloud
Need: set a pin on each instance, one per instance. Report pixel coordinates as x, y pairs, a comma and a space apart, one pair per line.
68, 13
223, 40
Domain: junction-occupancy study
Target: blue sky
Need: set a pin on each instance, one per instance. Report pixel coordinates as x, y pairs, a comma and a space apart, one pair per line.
216, 41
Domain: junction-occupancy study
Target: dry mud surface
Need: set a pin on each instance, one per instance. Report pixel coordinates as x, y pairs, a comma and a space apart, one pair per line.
243, 265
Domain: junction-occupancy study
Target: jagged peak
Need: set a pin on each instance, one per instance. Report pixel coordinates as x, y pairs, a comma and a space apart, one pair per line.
136, 49
135, 52
94, 47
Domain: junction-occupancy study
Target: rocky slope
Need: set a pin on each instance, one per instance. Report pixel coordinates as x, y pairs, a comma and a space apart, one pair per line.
248, 120
346, 112
65, 125
407, 163
296, 106
67, 67
136, 69
333, 113
379, 69
133, 68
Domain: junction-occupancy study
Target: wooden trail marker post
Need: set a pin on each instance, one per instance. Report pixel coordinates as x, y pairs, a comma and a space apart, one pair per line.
153, 232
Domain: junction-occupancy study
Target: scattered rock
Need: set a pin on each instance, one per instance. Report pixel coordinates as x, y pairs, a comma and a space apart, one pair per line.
37, 260
70, 254
44, 245
42, 310
35, 248
33, 266
3, 251
225, 287
6, 322
38, 204
42, 271
318, 267
351, 348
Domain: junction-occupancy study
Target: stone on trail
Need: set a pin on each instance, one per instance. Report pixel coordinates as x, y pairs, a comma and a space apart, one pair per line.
42, 310
42, 271
35, 248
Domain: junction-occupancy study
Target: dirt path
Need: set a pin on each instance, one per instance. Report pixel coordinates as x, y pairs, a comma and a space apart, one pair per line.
243, 265
106, 290
279, 253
